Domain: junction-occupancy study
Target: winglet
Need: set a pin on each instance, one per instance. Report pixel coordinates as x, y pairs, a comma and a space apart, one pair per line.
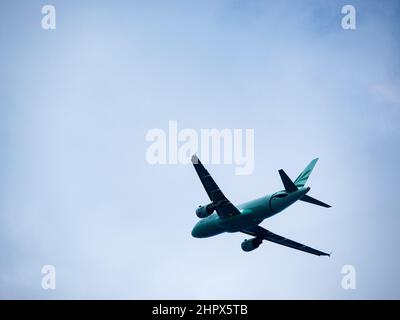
195, 159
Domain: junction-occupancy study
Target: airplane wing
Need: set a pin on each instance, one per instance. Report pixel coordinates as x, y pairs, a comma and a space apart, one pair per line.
224, 207
268, 235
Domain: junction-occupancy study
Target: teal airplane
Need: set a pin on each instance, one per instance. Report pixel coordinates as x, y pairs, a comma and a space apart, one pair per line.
221, 215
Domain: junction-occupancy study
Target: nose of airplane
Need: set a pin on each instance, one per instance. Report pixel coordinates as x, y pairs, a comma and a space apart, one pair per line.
195, 232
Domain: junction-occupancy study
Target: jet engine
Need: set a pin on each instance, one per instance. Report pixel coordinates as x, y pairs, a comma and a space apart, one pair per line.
205, 211
251, 244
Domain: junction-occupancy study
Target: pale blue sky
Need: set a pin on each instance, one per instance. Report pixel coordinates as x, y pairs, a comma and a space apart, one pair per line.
76, 102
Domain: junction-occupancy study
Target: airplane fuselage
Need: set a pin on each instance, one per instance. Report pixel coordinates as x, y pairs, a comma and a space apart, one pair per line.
252, 213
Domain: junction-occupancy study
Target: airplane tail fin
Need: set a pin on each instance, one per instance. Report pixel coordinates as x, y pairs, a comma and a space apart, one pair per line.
300, 181
303, 176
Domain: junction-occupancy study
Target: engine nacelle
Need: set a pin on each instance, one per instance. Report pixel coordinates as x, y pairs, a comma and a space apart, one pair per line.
251, 244
205, 211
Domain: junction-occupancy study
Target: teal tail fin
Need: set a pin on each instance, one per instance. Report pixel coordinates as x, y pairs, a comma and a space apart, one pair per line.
303, 177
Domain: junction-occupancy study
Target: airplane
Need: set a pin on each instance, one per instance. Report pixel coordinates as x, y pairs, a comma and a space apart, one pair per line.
221, 215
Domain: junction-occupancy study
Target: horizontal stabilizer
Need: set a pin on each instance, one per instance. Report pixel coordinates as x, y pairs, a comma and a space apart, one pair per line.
288, 184
309, 199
